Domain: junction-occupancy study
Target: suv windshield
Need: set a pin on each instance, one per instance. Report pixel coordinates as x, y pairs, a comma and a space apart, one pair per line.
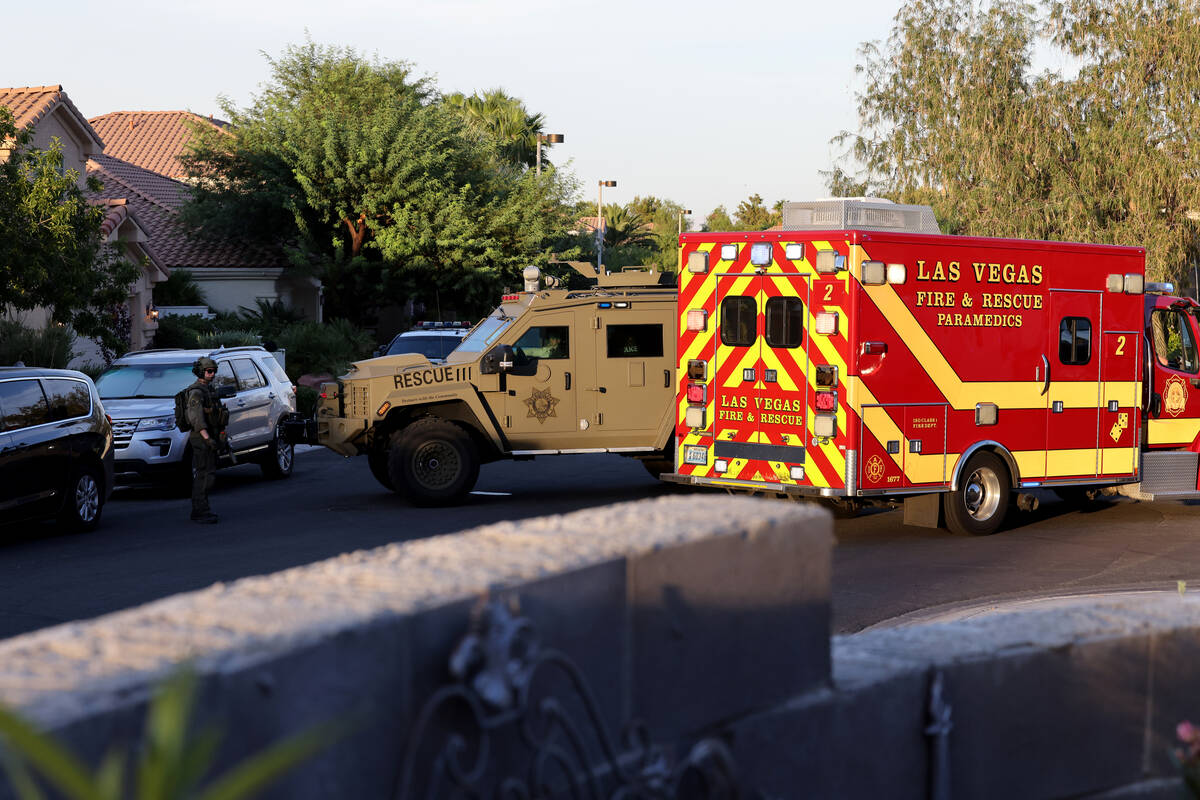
429, 345
144, 380
484, 334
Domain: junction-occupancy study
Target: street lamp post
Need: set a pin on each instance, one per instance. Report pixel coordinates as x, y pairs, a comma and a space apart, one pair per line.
547, 138
687, 212
600, 225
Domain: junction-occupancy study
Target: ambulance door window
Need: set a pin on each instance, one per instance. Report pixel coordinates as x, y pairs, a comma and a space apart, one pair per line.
785, 322
1174, 346
739, 321
1075, 340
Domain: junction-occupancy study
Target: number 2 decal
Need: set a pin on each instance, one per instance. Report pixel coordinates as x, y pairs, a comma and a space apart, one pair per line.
828, 292
1120, 345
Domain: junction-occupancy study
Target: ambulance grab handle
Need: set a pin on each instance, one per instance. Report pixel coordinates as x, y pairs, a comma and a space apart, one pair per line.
1037, 372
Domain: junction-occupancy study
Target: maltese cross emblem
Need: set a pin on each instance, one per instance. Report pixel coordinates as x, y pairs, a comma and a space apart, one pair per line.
541, 405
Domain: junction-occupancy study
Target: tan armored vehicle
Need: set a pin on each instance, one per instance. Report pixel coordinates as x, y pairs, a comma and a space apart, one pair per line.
550, 371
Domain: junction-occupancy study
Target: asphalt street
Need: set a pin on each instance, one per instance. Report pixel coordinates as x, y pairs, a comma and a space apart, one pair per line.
884, 572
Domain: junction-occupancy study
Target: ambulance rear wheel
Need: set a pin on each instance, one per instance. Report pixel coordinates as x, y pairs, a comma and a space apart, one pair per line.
978, 506
433, 462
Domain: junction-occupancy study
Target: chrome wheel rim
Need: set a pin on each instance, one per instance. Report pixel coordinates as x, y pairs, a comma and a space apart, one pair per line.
981, 495
436, 465
87, 498
283, 455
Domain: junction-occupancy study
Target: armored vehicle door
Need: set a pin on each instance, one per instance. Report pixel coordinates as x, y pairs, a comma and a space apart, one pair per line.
540, 406
634, 383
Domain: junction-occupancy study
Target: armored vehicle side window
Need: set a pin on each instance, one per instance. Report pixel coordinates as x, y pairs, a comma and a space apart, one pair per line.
224, 375
635, 341
1173, 343
247, 374
544, 341
739, 321
23, 404
1075, 340
785, 321
68, 399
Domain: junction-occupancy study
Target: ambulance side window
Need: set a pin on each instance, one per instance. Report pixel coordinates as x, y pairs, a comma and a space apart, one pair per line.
1075, 340
785, 321
1174, 346
739, 321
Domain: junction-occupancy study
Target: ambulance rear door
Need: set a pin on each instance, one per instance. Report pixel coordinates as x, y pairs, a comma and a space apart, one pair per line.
760, 374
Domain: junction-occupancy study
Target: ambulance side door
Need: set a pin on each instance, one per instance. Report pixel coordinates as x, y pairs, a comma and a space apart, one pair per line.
1174, 418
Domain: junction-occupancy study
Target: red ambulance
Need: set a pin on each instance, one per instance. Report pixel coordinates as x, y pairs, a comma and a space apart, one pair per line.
860, 355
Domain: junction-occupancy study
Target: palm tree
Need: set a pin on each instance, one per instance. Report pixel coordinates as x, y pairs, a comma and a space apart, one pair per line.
626, 228
504, 119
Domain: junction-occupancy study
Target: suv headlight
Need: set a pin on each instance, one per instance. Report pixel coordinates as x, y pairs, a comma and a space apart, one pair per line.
156, 423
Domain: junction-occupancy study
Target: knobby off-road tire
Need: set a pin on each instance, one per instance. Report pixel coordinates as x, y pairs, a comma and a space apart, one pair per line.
280, 458
433, 462
377, 460
84, 501
978, 506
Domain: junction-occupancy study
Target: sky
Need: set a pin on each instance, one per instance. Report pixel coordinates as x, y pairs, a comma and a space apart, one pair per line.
703, 103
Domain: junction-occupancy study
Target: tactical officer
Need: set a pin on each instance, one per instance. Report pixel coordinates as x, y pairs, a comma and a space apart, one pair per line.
207, 417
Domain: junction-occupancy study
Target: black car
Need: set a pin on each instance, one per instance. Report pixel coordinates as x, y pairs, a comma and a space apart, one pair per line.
56, 447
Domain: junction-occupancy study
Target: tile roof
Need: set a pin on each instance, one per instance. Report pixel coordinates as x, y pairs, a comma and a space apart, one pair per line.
31, 104
153, 140
155, 200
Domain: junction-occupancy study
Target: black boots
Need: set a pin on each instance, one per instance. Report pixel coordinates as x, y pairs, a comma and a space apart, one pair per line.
205, 518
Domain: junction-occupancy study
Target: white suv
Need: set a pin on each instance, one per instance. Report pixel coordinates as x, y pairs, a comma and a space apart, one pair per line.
139, 390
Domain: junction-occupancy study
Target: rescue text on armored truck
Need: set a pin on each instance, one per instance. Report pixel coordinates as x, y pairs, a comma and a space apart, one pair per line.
413, 378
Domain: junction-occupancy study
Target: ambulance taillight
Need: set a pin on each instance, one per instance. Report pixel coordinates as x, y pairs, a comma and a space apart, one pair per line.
695, 393
827, 401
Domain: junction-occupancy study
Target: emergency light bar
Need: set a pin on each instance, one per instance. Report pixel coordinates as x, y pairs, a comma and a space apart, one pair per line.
861, 213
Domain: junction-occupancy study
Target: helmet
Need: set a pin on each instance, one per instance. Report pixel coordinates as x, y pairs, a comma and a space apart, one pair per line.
203, 363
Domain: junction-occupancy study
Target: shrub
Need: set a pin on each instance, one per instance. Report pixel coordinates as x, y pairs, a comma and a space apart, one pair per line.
306, 400
50, 347
314, 348
271, 317
227, 338
180, 331
179, 289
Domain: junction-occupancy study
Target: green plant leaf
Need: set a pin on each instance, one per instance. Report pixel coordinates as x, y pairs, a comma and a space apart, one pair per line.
110, 777
60, 767
19, 777
252, 775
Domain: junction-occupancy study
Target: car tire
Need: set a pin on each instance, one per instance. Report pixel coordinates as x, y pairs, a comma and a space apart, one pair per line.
280, 459
84, 501
977, 507
433, 462
377, 460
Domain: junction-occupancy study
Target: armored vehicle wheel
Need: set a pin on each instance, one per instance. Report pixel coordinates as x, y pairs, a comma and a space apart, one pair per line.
377, 460
433, 462
978, 506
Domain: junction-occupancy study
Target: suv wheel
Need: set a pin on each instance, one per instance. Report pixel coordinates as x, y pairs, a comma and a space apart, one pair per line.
280, 457
433, 462
84, 500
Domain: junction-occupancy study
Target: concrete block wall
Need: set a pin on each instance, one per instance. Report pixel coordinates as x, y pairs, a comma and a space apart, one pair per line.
702, 616
679, 611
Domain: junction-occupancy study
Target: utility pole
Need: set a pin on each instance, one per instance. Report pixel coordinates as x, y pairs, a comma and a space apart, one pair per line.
600, 225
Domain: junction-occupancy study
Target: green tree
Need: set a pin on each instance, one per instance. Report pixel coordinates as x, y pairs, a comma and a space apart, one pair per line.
51, 254
753, 215
718, 220
390, 196
505, 120
950, 115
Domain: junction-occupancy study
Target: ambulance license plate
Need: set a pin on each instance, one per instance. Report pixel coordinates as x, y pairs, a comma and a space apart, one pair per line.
695, 455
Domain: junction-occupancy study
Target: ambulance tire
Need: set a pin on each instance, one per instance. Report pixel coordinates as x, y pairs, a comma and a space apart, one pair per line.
433, 462
377, 460
978, 506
